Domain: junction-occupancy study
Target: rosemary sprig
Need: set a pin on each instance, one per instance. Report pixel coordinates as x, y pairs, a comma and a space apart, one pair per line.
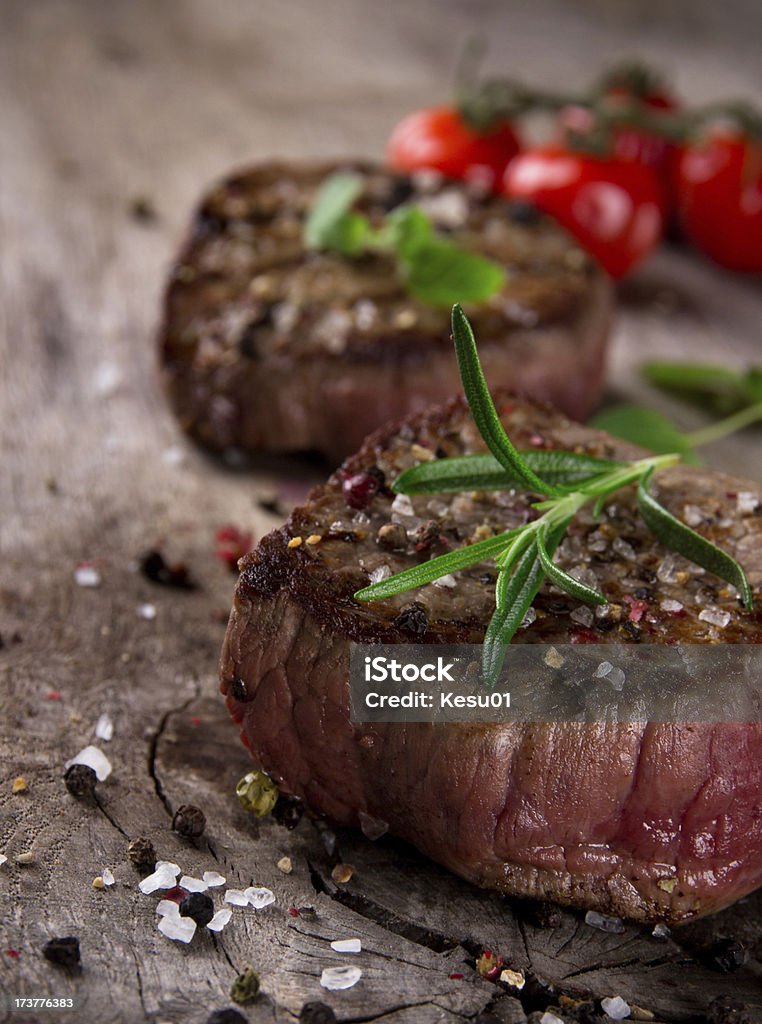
524, 556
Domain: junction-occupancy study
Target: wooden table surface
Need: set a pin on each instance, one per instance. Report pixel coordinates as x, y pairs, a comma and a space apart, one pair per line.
105, 105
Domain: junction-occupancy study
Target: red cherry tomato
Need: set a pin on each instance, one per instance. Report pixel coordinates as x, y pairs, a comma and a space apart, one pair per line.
719, 198
613, 208
630, 143
439, 139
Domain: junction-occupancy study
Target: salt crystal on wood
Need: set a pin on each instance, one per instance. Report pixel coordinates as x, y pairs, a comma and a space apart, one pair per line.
193, 884
220, 919
164, 907
550, 1018
237, 898
346, 945
259, 897
213, 879
372, 828
604, 923
87, 576
180, 929
615, 1007
95, 759
3, 858
104, 728
108, 877
146, 611
337, 978
164, 877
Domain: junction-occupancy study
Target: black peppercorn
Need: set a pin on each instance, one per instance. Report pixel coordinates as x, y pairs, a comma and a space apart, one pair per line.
522, 211
189, 821
199, 907
238, 689
412, 619
288, 811
317, 1013
64, 951
80, 780
727, 956
226, 1016
727, 1010
142, 855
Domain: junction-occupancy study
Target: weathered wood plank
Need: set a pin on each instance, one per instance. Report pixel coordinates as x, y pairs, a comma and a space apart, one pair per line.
105, 103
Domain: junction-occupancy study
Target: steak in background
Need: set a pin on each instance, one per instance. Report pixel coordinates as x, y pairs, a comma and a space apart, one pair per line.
268, 347
651, 822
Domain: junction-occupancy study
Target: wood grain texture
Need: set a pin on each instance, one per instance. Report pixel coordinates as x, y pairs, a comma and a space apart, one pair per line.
103, 104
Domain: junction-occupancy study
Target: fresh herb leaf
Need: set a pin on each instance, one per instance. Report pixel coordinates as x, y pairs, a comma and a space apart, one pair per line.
434, 269
324, 228
679, 537
753, 383
483, 408
562, 579
439, 272
485, 473
724, 388
514, 594
646, 428
436, 568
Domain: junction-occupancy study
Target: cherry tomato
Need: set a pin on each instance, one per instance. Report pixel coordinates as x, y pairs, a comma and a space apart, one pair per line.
719, 197
612, 207
440, 139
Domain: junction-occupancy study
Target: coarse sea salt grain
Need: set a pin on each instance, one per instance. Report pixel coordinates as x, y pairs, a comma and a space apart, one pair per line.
346, 945
173, 456
382, 572
220, 919
550, 1018
87, 576
106, 379
603, 670
446, 581
337, 978
166, 907
108, 877
693, 515
259, 897
146, 611
604, 923
715, 617
213, 879
403, 506
237, 897
94, 759
669, 605
3, 858
164, 877
661, 931
193, 884
615, 1007
180, 929
583, 615
104, 728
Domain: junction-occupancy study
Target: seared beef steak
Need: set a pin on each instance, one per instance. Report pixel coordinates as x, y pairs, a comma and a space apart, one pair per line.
651, 822
268, 347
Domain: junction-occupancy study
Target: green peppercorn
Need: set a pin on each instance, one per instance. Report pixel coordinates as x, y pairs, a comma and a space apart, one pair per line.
245, 988
257, 793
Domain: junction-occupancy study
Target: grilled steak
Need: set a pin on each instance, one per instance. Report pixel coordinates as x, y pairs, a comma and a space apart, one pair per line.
654, 821
268, 347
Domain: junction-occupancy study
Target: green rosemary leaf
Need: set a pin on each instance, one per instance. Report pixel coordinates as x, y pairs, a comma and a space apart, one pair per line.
713, 386
678, 537
562, 579
439, 272
483, 408
485, 473
334, 199
435, 568
514, 595
646, 428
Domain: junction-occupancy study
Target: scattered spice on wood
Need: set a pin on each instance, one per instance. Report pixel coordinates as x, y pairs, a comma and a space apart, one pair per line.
53, 695
80, 781
199, 907
286, 865
245, 988
25, 858
288, 811
14, 954
726, 956
189, 821
63, 951
155, 568
142, 855
257, 793
232, 544
143, 211
342, 873
226, 1016
19, 785
316, 1013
